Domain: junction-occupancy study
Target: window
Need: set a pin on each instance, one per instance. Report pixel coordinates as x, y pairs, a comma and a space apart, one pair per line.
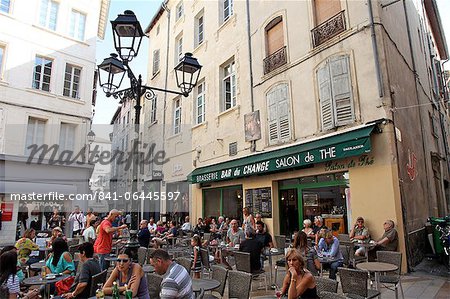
274, 35
35, 133
2, 51
42, 73
227, 9
177, 116
77, 24
153, 109
178, 49
229, 86
335, 95
49, 14
179, 11
5, 5
155, 61
200, 104
199, 30
67, 137
72, 81
278, 114
325, 9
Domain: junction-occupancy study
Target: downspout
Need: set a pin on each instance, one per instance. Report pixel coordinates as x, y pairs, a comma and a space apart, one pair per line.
375, 50
250, 60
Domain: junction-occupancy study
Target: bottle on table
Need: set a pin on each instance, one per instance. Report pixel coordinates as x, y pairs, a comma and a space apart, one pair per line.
128, 293
115, 291
99, 292
43, 272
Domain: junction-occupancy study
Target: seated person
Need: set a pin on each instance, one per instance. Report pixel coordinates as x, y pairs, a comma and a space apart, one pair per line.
298, 282
187, 226
167, 236
388, 242
60, 260
89, 233
128, 273
307, 229
319, 226
360, 234
19, 266
82, 285
56, 233
262, 235
301, 244
329, 247
252, 246
25, 245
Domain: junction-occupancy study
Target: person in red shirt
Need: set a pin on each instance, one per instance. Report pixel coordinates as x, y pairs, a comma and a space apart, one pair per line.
103, 243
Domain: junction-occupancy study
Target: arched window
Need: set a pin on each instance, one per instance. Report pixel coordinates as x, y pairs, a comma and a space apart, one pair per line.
275, 47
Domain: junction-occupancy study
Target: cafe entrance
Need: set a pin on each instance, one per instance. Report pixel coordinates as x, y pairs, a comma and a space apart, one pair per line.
326, 195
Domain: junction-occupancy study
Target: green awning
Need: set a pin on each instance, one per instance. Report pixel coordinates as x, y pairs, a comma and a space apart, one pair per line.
350, 143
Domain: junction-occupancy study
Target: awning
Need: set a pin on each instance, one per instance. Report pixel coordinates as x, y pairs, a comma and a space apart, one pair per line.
353, 142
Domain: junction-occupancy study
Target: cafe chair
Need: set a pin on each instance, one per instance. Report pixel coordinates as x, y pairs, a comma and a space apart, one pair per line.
326, 285
220, 274
354, 284
95, 280
239, 284
142, 254
243, 264
344, 249
280, 240
391, 278
185, 262
331, 295
343, 237
206, 265
154, 285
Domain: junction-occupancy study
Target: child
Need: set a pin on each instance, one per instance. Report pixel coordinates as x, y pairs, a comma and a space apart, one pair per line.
195, 257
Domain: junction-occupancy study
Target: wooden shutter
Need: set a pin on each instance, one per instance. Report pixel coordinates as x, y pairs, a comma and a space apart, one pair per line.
275, 37
326, 109
278, 114
341, 90
325, 9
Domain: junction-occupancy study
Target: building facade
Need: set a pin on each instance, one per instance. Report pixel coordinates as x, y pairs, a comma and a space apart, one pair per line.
47, 71
305, 108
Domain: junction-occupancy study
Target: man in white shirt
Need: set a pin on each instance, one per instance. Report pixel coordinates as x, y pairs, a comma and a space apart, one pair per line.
89, 233
187, 226
79, 220
152, 226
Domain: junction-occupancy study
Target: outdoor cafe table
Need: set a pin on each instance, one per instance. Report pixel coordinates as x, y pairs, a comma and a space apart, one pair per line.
148, 269
377, 268
37, 280
205, 284
269, 254
326, 260
37, 266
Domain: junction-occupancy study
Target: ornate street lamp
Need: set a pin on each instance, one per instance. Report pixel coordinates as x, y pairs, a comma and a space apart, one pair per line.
128, 34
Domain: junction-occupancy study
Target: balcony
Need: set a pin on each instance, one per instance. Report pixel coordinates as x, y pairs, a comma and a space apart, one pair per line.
275, 60
328, 29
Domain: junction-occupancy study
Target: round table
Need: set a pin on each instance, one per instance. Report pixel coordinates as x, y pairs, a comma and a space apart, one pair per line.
37, 280
37, 266
377, 268
326, 260
269, 254
148, 268
205, 284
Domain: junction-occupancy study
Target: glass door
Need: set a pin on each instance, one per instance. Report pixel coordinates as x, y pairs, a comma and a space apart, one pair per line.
289, 220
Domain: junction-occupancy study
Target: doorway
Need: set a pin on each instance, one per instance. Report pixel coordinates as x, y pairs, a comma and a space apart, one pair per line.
289, 211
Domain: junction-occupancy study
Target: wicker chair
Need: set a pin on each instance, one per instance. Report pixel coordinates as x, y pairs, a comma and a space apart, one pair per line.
220, 274
204, 255
343, 237
354, 284
142, 255
280, 241
326, 285
393, 278
344, 249
330, 295
243, 264
185, 262
154, 285
95, 280
239, 284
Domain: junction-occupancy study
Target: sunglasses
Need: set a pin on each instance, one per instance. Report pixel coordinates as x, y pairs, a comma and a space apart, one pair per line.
123, 260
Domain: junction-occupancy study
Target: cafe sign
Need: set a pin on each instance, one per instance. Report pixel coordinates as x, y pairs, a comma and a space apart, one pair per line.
287, 158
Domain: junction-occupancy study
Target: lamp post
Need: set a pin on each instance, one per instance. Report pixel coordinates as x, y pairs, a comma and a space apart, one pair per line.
128, 34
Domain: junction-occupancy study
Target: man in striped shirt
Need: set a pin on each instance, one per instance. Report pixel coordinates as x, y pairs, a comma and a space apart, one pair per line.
176, 282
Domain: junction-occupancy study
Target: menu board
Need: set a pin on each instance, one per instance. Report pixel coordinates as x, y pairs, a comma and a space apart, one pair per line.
259, 201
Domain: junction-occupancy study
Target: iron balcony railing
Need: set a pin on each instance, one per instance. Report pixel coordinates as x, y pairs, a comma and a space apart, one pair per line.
275, 60
328, 29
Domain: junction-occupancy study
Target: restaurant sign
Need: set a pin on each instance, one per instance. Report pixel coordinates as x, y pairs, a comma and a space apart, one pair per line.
279, 160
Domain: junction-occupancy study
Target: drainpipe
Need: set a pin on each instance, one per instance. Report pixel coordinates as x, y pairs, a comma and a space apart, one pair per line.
375, 50
250, 61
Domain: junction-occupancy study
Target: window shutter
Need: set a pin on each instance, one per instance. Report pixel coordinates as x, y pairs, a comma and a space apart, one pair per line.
272, 117
275, 39
325, 9
326, 111
341, 90
278, 114
283, 114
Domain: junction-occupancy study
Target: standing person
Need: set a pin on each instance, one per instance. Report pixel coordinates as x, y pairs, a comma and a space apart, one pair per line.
89, 232
298, 282
56, 220
79, 220
143, 234
103, 243
329, 247
89, 217
360, 234
81, 287
258, 217
23, 214
128, 219
196, 244
176, 282
248, 219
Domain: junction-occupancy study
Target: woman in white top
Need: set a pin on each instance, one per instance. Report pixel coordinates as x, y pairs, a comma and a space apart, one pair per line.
307, 229
248, 219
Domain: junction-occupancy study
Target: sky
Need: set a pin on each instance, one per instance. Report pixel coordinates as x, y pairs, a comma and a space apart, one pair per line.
145, 10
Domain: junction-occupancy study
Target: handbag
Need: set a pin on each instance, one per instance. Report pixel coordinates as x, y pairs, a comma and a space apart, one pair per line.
63, 286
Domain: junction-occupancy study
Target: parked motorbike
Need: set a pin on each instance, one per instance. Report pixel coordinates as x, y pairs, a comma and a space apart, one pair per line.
441, 237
